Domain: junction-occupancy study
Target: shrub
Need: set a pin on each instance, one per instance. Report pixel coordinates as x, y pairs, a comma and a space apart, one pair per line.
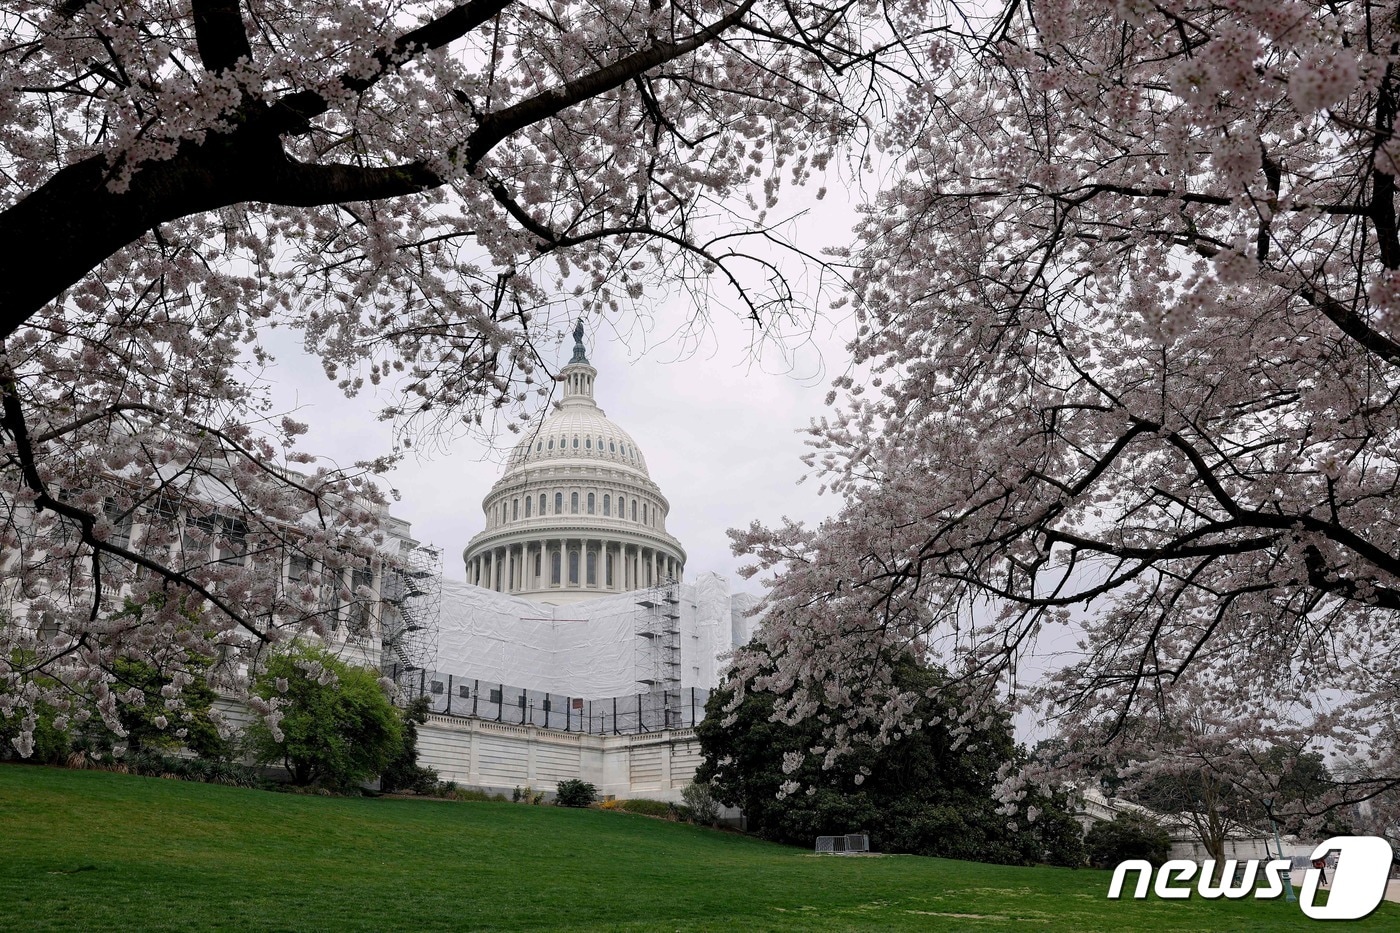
528, 795
701, 803
575, 793
403, 772
51, 743
646, 807
1127, 836
338, 729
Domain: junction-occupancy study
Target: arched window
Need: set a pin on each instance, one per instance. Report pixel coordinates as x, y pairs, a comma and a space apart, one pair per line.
588, 442
515, 510
634, 510
554, 568
607, 504
528, 500
607, 570
538, 567
558, 503
573, 503
551, 443
576, 443
573, 568
542, 502
644, 513
592, 568
539, 445
612, 447
590, 503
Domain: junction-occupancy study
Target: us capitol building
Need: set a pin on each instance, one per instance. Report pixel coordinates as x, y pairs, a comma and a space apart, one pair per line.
576, 596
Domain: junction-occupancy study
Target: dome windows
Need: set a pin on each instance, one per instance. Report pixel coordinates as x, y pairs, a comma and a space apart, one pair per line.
573, 503
607, 505
612, 447
528, 500
587, 443
575, 443
558, 503
590, 503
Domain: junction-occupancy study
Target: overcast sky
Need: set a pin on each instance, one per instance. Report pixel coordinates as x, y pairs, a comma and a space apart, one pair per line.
720, 431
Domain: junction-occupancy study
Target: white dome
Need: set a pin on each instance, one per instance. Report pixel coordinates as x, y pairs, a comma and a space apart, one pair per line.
575, 514
574, 433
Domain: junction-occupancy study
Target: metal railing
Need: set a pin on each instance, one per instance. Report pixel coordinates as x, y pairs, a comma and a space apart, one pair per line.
630, 714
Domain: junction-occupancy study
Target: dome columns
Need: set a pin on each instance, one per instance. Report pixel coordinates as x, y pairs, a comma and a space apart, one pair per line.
572, 565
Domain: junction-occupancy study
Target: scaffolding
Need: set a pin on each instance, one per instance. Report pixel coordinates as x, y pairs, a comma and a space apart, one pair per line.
412, 606
659, 647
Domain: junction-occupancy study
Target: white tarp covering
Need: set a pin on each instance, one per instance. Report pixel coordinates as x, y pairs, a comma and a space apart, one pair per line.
585, 649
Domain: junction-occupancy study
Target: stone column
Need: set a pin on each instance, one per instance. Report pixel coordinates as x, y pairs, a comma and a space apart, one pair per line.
491, 580
654, 578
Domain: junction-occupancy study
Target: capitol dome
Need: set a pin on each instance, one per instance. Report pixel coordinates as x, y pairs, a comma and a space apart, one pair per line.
575, 514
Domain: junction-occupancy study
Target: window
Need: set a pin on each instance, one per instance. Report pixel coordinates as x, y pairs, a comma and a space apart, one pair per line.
573, 568
515, 510
607, 570
538, 563
588, 443
496, 696
121, 523
528, 500
464, 691
544, 704
590, 503
298, 568
612, 448
558, 503
607, 504
592, 568
644, 513
437, 686
576, 443
542, 502
233, 540
551, 443
539, 445
360, 609
554, 568
573, 502
521, 702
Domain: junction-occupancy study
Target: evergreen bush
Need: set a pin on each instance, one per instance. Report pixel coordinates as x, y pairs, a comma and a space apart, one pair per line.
575, 793
1127, 836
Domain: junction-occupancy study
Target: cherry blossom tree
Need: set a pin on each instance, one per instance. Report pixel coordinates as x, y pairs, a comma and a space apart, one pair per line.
1126, 377
413, 186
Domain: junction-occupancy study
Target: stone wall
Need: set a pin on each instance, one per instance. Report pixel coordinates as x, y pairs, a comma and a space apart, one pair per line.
498, 757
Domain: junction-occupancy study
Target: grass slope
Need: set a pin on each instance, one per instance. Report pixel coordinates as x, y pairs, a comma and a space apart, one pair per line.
84, 850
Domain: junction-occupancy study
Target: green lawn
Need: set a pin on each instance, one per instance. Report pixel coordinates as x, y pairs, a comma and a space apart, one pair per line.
85, 850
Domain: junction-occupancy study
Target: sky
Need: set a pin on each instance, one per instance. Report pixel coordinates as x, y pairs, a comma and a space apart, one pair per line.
719, 424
